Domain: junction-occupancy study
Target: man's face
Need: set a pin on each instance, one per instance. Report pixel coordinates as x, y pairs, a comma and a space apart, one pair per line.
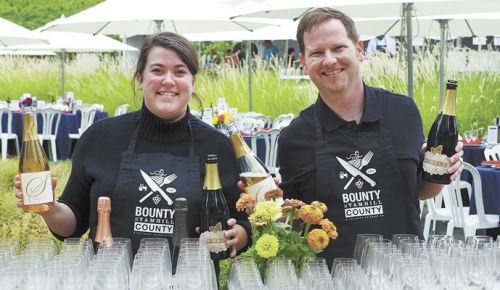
331, 59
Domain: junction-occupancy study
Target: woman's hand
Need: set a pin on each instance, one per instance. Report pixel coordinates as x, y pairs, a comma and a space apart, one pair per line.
237, 237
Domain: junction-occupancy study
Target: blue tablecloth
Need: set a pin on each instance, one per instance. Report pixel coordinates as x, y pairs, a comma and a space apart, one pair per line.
261, 147
70, 123
490, 181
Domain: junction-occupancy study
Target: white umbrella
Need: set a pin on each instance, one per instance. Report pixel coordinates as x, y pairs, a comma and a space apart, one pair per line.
62, 42
13, 34
294, 9
134, 17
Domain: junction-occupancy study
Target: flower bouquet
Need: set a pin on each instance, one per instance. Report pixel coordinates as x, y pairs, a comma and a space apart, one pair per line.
294, 230
220, 122
26, 102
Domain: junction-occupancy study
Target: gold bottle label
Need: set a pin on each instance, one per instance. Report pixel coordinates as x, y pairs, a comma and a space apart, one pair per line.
240, 147
436, 163
212, 181
214, 238
449, 102
36, 187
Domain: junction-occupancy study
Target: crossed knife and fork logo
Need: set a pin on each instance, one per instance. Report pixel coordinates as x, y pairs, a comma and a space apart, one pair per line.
354, 167
155, 183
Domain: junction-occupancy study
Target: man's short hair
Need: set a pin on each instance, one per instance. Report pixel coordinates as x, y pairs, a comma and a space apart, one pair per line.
319, 15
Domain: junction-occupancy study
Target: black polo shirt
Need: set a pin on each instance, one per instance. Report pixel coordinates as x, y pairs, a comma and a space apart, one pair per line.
382, 110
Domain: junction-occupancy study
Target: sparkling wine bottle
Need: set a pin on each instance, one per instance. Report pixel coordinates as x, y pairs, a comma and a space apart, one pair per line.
252, 171
214, 212
442, 140
36, 180
180, 229
103, 236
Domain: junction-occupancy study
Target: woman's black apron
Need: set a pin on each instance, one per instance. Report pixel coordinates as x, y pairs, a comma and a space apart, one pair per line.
376, 200
142, 203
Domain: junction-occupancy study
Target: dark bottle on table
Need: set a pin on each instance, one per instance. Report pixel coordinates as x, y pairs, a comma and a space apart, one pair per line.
214, 212
180, 229
442, 140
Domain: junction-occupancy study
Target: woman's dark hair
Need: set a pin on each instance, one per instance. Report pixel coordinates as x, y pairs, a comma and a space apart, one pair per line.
175, 42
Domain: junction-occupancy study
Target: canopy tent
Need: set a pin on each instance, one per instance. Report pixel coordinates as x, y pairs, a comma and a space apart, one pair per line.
134, 17
62, 42
13, 34
294, 9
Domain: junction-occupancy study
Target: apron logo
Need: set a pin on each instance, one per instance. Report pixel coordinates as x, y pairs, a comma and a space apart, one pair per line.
353, 167
155, 181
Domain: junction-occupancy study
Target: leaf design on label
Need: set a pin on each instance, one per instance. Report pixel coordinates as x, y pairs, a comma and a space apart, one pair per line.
215, 229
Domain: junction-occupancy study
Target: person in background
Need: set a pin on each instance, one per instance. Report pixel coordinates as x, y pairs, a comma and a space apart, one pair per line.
162, 141
381, 44
270, 51
240, 51
358, 149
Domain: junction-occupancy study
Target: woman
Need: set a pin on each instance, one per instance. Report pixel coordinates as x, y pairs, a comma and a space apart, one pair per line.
163, 142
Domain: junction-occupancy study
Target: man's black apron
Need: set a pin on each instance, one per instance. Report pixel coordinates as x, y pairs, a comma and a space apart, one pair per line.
374, 201
141, 209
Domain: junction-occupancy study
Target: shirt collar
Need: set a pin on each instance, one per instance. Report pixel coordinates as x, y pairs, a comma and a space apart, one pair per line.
372, 111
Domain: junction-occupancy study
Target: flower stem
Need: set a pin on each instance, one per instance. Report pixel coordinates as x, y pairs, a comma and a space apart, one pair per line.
306, 230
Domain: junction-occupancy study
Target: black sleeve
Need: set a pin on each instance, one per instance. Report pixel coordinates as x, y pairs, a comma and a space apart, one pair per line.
76, 194
290, 179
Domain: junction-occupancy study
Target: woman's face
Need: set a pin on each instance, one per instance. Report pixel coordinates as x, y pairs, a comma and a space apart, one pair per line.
167, 84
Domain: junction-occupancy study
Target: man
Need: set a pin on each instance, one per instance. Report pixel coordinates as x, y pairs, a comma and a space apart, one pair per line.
270, 51
382, 44
358, 149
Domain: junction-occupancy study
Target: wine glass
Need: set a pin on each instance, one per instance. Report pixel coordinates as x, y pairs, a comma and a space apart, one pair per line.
474, 135
468, 136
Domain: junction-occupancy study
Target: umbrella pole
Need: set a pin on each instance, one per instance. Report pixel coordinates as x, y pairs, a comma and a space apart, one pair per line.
443, 25
62, 56
248, 55
407, 8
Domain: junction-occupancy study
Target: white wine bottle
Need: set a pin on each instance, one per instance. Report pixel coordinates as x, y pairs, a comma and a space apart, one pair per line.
252, 171
103, 235
442, 140
36, 180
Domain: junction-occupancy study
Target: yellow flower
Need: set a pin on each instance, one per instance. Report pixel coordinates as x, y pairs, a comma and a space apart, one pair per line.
329, 228
245, 201
267, 246
287, 209
310, 214
264, 213
317, 239
319, 205
215, 120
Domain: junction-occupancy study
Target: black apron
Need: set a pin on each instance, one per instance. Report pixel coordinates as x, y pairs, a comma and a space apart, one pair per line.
142, 203
374, 201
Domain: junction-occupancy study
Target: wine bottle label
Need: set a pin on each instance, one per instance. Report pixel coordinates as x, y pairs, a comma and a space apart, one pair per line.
214, 238
435, 162
259, 189
36, 187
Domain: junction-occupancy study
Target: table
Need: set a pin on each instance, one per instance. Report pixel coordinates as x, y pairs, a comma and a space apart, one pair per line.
490, 181
474, 154
70, 122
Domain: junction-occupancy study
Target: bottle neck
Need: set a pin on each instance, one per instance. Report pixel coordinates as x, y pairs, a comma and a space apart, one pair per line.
30, 132
239, 145
212, 181
449, 103
180, 228
103, 233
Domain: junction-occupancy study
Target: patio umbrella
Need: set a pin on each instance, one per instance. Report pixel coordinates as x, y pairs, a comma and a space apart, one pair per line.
134, 17
294, 9
62, 42
13, 34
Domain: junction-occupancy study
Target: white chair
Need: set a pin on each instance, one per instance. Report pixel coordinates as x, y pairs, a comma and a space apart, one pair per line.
6, 135
266, 120
492, 153
436, 211
50, 125
87, 118
461, 219
249, 124
122, 109
271, 142
282, 121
